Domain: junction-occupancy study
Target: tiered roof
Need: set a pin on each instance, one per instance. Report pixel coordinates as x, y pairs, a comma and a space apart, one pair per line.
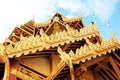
60, 33
43, 41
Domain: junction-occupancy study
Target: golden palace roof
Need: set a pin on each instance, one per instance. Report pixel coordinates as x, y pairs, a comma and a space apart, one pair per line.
60, 49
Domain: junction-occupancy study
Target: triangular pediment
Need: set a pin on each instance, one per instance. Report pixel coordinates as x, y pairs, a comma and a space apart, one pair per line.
57, 24
55, 27
60, 49
58, 17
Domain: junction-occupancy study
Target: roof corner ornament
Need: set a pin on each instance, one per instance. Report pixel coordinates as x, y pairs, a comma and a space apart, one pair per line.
6, 61
114, 38
67, 59
2, 48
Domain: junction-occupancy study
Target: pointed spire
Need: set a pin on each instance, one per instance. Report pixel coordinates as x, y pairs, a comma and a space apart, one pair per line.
57, 12
93, 13
80, 12
33, 17
108, 24
114, 37
113, 34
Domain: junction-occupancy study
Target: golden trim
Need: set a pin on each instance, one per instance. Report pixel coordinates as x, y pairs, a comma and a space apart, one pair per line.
27, 44
93, 50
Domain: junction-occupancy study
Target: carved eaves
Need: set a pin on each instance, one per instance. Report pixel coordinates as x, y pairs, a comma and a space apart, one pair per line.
33, 43
93, 50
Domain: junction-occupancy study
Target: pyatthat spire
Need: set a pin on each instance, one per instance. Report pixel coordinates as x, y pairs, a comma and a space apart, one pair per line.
33, 17
93, 13
109, 26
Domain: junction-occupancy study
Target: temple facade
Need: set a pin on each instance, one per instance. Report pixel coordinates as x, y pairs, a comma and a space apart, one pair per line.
60, 49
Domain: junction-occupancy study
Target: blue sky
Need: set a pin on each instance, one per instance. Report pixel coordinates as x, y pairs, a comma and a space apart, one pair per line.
17, 12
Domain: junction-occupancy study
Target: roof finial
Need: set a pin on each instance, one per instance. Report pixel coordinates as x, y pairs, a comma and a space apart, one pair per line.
33, 17
80, 12
57, 12
109, 26
93, 13
114, 38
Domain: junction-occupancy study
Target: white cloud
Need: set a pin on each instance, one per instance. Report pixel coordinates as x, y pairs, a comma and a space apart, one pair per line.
14, 12
75, 6
102, 8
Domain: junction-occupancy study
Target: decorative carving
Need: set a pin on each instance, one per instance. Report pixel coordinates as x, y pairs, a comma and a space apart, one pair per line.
92, 50
2, 49
41, 42
62, 37
56, 28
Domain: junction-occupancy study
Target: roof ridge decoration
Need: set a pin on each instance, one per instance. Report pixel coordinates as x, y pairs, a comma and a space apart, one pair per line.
93, 50
45, 41
55, 26
48, 22
114, 37
73, 19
